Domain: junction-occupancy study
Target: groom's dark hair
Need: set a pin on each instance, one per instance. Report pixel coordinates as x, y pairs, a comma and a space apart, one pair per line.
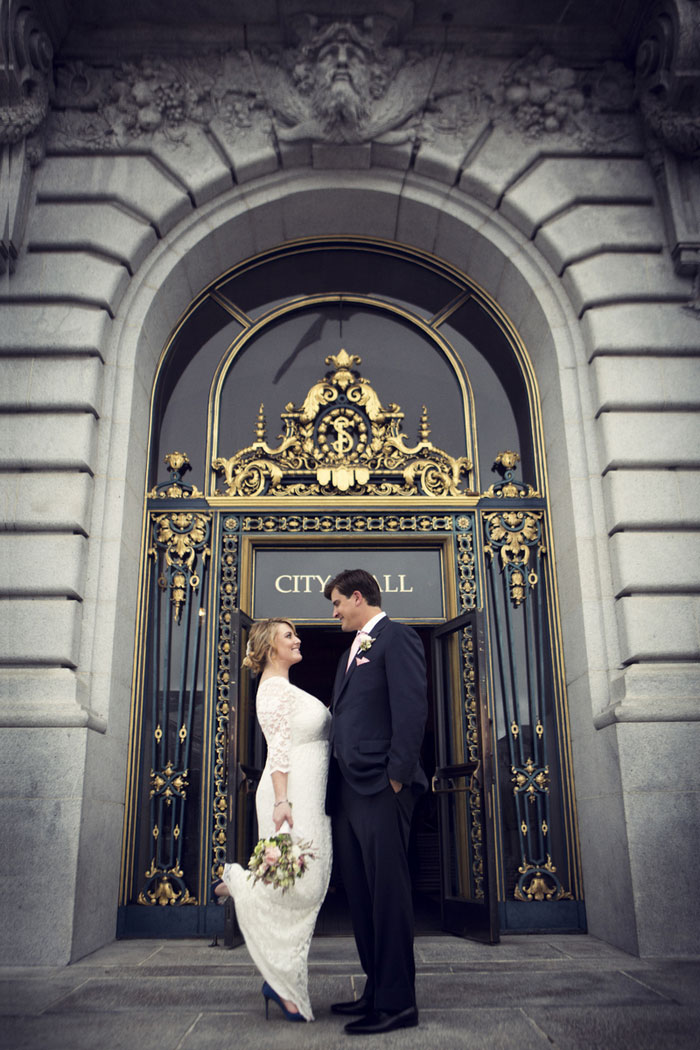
350, 580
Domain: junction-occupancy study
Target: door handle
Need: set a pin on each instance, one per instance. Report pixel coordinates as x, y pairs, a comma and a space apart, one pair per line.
450, 790
475, 778
449, 774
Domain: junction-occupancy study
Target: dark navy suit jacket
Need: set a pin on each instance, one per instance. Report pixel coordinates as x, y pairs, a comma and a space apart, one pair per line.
379, 709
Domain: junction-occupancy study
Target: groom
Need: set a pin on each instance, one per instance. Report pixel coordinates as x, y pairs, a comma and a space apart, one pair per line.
379, 711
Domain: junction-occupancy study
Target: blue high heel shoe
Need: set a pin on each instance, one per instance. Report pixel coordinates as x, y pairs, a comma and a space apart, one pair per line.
270, 993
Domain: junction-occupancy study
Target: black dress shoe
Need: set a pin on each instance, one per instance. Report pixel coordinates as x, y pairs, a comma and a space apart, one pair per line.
359, 1006
378, 1021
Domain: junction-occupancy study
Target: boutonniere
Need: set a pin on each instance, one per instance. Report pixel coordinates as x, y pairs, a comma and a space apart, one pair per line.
366, 643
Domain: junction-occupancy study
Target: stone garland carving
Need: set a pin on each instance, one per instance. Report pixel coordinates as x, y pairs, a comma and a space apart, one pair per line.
341, 85
344, 83
157, 98
534, 97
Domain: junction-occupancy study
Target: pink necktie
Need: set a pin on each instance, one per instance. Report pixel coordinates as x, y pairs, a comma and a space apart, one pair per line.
354, 649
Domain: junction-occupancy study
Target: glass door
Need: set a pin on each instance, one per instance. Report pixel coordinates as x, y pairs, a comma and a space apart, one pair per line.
245, 758
463, 780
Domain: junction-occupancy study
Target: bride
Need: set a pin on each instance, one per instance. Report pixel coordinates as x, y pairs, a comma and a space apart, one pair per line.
278, 926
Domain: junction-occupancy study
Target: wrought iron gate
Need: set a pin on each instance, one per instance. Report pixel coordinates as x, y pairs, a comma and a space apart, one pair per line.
193, 739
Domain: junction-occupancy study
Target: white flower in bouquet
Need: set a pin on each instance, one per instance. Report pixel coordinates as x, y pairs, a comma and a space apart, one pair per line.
279, 862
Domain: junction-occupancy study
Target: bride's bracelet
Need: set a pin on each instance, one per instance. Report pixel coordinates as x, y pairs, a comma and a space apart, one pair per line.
282, 802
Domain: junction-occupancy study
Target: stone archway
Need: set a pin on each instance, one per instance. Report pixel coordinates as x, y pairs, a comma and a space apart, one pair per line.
114, 232
463, 233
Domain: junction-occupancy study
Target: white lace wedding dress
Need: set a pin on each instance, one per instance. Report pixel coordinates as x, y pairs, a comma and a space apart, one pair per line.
278, 926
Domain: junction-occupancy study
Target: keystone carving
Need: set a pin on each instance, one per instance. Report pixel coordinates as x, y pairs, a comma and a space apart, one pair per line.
344, 85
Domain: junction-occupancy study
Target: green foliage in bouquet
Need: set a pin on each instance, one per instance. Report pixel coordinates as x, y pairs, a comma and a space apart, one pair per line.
279, 862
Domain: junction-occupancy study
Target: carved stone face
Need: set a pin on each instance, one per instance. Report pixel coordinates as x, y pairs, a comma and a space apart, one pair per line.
342, 81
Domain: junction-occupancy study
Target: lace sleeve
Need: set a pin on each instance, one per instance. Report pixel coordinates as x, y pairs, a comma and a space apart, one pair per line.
274, 709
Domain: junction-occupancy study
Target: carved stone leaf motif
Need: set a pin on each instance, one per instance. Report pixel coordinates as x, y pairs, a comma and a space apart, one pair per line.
395, 96
536, 96
117, 106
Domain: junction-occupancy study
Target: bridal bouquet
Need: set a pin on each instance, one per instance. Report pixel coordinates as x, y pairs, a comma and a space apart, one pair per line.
279, 861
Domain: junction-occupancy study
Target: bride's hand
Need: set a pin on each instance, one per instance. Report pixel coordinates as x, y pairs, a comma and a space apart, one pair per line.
280, 814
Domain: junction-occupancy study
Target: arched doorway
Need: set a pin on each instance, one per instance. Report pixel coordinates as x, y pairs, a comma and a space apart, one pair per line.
444, 362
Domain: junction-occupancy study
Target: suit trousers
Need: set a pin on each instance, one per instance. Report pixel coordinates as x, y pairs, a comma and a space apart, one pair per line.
370, 836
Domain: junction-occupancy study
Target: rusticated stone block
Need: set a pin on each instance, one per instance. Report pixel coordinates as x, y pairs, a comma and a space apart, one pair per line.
41, 564
51, 440
40, 631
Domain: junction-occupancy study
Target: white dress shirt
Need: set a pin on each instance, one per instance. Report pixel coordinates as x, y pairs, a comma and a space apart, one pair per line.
362, 633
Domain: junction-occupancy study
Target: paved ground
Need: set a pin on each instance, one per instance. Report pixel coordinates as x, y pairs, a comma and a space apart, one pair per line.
530, 993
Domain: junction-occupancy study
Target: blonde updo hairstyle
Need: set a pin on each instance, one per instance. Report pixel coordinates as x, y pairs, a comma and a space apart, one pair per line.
261, 643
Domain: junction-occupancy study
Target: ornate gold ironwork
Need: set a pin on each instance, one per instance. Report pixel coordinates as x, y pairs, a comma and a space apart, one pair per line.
505, 463
168, 888
227, 655
463, 528
325, 523
179, 545
464, 536
343, 441
471, 711
178, 463
544, 884
530, 779
180, 536
169, 782
514, 534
